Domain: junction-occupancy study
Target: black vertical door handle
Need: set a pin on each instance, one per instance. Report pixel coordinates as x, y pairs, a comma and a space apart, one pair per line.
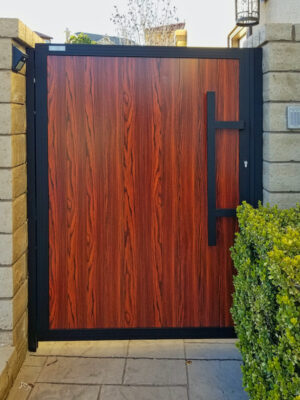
212, 125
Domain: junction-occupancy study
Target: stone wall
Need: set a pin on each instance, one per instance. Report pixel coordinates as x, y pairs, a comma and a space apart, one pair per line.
279, 11
13, 201
281, 88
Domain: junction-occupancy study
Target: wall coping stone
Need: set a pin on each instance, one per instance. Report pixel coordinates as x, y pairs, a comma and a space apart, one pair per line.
297, 32
15, 29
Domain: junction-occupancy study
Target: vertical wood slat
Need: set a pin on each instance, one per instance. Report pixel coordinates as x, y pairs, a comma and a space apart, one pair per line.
127, 192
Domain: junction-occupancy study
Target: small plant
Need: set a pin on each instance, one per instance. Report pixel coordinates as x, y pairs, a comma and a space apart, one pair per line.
266, 302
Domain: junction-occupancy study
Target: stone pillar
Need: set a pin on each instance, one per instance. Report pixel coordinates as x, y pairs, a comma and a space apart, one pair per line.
181, 37
281, 88
13, 201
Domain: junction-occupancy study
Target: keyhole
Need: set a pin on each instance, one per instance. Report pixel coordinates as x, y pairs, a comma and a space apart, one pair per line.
246, 164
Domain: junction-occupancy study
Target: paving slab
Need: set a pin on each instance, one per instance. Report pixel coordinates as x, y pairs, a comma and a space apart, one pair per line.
82, 370
155, 372
218, 351
24, 382
156, 349
48, 391
101, 348
132, 370
19, 391
33, 361
215, 380
210, 340
143, 393
28, 373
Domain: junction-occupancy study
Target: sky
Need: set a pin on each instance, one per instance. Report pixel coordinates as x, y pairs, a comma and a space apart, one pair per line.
207, 21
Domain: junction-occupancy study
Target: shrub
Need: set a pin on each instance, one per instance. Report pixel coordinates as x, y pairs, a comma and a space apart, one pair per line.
266, 302
81, 38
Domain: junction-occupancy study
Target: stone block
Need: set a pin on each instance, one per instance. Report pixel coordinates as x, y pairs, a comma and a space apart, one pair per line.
12, 87
6, 216
18, 118
281, 146
19, 180
9, 27
19, 272
20, 331
274, 117
279, 56
5, 184
5, 86
14, 28
13, 182
6, 249
281, 86
244, 44
31, 38
6, 337
5, 151
283, 200
6, 319
297, 32
20, 302
19, 211
4, 383
18, 144
6, 355
273, 32
5, 117
17, 360
12, 246
20, 242
250, 42
5, 53
281, 177
256, 39
18, 88
13, 214
12, 150
6, 282
181, 37
12, 119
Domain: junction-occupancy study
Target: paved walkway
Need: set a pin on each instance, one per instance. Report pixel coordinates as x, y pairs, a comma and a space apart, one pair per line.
132, 370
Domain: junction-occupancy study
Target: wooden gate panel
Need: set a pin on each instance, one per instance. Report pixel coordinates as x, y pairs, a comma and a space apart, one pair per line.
128, 192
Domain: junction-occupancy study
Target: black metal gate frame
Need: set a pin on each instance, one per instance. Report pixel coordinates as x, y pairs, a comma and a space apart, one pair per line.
250, 178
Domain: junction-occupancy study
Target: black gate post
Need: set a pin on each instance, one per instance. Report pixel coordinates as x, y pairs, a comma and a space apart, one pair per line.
31, 202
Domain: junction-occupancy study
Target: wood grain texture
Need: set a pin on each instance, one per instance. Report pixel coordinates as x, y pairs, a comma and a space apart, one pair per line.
128, 192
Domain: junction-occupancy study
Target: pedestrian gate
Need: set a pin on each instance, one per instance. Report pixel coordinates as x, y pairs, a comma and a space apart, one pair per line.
137, 159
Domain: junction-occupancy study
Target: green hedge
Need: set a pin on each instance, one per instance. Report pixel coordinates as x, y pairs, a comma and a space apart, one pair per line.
266, 302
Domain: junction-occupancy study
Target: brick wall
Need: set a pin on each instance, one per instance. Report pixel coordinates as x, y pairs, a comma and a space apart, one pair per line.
281, 88
13, 201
